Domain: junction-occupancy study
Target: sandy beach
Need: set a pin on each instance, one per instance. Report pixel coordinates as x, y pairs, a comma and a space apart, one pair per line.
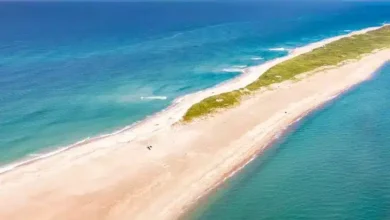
117, 177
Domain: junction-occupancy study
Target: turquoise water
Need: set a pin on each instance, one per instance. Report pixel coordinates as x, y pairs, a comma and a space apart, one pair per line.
334, 164
73, 70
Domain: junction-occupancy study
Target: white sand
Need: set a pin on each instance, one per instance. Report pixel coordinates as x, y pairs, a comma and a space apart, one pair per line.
116, 177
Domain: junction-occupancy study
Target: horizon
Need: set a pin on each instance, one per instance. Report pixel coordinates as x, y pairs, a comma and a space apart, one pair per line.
191, 1
145, 109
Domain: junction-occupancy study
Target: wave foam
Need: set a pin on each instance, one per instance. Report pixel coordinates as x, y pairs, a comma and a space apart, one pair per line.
36, 157
278, 49
154, 97
234, 69
257, 58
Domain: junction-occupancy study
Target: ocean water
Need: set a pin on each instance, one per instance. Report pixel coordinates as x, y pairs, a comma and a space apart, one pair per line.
334, 164
74, 70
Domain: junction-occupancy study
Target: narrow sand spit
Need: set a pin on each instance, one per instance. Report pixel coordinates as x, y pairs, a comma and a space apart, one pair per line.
117, 177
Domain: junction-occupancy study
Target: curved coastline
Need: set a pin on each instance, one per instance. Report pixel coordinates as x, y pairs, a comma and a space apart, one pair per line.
174, 113
115, 177
191, 207
190, 210
273, 135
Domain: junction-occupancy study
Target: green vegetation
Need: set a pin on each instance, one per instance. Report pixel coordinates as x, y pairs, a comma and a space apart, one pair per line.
330, 55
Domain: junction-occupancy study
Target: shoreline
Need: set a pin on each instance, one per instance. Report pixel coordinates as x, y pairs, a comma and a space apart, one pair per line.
190, 208
166, 182
116, 178
247, 76
269, 142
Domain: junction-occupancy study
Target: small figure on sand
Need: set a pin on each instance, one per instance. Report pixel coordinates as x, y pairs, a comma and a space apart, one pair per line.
149, 147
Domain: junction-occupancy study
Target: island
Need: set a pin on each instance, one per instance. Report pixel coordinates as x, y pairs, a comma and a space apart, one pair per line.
162, 166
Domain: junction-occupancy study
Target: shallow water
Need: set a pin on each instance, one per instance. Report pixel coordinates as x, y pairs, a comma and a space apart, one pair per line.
334, 164
73, 70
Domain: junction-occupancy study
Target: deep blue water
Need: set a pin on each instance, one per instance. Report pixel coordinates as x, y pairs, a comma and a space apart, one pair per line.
73, 70
333, 165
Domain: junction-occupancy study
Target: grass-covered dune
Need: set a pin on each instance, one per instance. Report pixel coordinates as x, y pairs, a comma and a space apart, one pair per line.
332, 54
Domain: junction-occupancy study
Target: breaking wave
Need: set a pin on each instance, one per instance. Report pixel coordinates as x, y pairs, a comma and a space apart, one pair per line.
154, 97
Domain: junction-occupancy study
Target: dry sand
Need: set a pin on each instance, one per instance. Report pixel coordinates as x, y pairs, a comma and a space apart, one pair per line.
116, 177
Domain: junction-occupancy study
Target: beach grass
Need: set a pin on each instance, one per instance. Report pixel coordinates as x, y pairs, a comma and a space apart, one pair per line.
332, 54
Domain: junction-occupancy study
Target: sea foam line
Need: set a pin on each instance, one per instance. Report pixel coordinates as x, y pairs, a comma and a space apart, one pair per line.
257, 58
37, 157
279, 49
235, 69
154, 97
